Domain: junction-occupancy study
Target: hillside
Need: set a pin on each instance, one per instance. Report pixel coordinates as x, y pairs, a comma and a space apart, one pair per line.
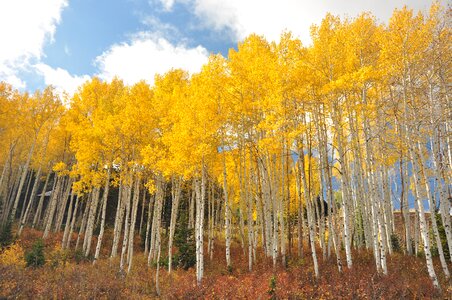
271, 170
64, 278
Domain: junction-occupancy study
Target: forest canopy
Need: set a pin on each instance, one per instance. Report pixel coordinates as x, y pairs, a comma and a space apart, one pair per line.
278, 144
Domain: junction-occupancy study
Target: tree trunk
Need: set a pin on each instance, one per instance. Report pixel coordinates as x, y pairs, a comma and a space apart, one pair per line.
90, 224
37, 215
52, 206
307, 198
118, 221
125, 240
104, 212
22, 179
84, 218
63, 205
30, 203
26, 199
422, 222
175, 195
227, 214
199, 225
148, 223
73, 220
136, 199
67, 226
345, 185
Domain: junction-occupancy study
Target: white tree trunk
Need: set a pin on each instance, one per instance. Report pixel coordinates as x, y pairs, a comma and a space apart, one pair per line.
73, 220
118, 221
175, 195
199, 225
30, 203
90, 223
22, 179
68, 221
41, 201
345, 185
63, 204
422, 222
125, 240
84, 218
52, 206
104, 212
227, 215
148, 223
136, 199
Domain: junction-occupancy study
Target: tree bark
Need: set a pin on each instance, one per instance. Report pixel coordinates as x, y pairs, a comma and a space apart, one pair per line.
104, 212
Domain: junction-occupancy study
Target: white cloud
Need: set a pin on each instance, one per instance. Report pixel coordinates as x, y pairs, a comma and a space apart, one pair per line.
167, 4
271, 17
25, 26
160, 28
164, 5
146, 55
60, 78
11, 78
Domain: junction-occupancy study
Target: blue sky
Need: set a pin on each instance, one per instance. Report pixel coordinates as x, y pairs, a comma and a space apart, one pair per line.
65, 42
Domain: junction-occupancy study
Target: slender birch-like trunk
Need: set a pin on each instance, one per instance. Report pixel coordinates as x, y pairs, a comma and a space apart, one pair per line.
429, 195
90, 223
250, 221
104, 212
23, 177
157, 283
37, 215
422, 222
136, 199
227, 213
148, 223
307, 198
157, 219
27, 191
118, 221
68, 221
273, 187
34, 191
332, 211
84, 218
143, 204
52, 206
73, 220
125, 239
199, 225
175, 195
282, 208
191, 211
300, 213
345, 186
63, 205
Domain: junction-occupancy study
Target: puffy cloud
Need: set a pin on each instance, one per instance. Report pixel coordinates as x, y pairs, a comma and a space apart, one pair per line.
146, 55
60, 78
9, 76
271, 17
167, 4
25, 26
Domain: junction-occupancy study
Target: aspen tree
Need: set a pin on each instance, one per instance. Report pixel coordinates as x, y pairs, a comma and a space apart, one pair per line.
104, 211
175, 197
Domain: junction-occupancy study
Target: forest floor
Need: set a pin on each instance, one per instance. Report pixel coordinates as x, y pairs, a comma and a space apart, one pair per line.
65, 277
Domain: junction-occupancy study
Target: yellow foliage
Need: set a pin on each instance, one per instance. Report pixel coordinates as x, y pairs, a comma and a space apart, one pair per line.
13, 255
58, 257
60, 168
